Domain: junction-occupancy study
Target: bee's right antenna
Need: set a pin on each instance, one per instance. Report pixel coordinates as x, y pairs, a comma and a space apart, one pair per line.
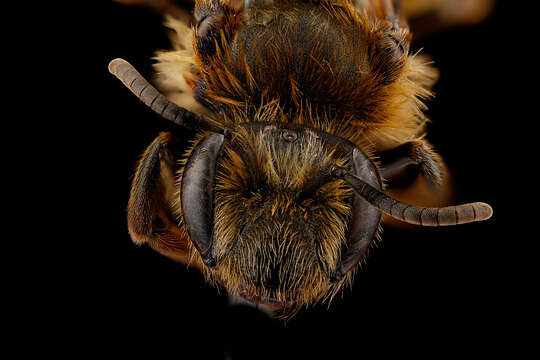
418, 215
139, 86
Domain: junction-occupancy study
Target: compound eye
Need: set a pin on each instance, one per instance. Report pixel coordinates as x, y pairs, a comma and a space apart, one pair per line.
197, 195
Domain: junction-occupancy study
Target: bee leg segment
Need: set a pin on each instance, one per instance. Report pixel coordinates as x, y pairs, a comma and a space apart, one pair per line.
401, 165
149, 214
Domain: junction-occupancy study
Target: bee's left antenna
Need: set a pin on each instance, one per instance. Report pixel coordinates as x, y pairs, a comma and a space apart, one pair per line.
139, 86
418, 215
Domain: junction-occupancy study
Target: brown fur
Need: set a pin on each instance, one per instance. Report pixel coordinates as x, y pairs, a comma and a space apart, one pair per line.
385, 113
300, 240
356, 80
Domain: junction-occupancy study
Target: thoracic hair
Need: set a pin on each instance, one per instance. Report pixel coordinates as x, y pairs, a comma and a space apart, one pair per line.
332, 58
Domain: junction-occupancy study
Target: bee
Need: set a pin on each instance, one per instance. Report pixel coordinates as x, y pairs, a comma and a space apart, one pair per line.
307, 113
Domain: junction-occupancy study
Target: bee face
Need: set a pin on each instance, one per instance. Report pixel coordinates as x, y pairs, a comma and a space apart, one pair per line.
273, 241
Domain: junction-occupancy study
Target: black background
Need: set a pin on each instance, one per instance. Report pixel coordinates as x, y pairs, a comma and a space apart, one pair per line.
424, 292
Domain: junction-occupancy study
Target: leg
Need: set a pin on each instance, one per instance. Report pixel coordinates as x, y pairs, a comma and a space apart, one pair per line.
151, 217
401, 165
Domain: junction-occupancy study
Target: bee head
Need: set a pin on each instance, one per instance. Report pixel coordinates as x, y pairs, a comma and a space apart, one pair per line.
272, 224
